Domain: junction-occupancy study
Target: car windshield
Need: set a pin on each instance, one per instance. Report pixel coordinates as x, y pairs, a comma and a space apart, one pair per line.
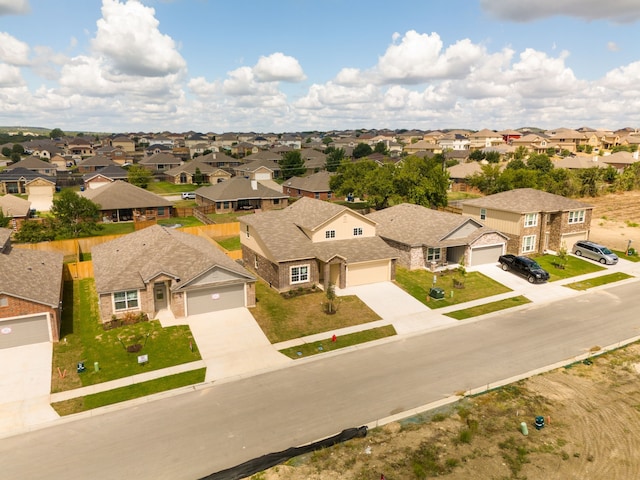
606, 251
533, 264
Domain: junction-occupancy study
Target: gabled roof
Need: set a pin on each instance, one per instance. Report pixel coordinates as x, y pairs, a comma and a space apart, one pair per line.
238, 188
263, 155
317, 182
578, 162
15, 207
527, 200
191, 166
97, 161
416, 225
254, 165
119, 195
160, 159
282, 234
31, 163
463, 170
21, 270
112, 172
24, 174
132, 260
217, 157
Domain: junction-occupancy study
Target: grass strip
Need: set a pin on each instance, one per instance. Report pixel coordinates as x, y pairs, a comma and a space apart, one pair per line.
623, 255
122, 394
327, 345
597, 281
489, 307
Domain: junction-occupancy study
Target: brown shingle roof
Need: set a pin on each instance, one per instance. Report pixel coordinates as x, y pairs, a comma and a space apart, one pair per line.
238, 188
317, 182
526, 200
119, 194
13, 206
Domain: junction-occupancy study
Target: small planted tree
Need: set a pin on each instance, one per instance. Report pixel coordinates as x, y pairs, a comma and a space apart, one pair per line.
562, 257
331, 298
460, 276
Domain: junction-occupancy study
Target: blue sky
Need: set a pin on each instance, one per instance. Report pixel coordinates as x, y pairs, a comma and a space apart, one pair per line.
293, 65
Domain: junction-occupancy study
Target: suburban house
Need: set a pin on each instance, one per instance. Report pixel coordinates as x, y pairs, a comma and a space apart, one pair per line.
36, 165
125, 143
220, 160
22, 181
80, 147
15, 208
534, 221
160, 162
258, 170
93, 164
122, 202
313, 242
459, 173
30, 294
240, 193
185, 173
426, 238
159, 268
619, 160
314, 186
104, 176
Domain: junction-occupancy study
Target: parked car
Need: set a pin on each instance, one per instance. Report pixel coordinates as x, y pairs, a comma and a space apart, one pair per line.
599, 253
188, 195
524, 266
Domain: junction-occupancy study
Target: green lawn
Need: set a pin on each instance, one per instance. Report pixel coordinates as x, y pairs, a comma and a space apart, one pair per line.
116, 228
597, 281
84, 339
476, 285
575, 266
168, 188
182, 221
488, 308
227, 217
129, 392
342, 341
283, 318
230, 243
631, 258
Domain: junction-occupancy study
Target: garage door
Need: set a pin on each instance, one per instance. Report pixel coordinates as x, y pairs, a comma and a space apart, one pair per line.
214, 299
484, 255
40, 190
263, 176
368, 272
24, 331
570, 238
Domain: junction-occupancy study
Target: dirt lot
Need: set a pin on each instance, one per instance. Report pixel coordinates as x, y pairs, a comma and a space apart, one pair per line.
591, 411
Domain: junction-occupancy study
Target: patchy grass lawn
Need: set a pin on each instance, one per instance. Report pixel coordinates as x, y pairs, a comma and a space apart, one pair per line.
476, 285
575, 266
182, 221
227, 217
631, 258
117, 228
168, 188
129, 392
283, 318
342, 341
488, 308
597, 281
84, 339
230, 243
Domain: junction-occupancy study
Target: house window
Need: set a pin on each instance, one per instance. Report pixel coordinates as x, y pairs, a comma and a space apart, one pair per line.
225, 205
300, 274
528, 243
4, 302
160, 211
483, 214
357, 232
330, 234
317, 196
531, 220
255, 263
276, 201
125, 300
433, 254
329, 196
576, 217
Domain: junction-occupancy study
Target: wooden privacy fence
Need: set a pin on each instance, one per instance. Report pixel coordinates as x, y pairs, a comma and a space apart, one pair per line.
77, 270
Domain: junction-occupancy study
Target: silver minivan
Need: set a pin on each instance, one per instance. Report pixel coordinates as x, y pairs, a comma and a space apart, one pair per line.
599, 253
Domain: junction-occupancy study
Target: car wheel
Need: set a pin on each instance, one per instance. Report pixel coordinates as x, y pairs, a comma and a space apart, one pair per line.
578, 253
505, 267
603, 261
531, 279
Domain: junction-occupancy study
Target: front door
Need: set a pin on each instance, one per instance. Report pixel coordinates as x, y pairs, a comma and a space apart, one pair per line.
160, 296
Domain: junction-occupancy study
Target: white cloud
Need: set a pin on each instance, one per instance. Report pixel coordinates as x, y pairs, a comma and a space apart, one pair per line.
12, 50
618, 11
129, 37
10, 76
612, 46
15, 7
278, 67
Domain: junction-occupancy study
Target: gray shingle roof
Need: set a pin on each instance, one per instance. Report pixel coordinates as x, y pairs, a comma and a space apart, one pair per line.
22, 270
317, 182
237, 188
119, 194
527, 200
13, 206
113, 172
129, 261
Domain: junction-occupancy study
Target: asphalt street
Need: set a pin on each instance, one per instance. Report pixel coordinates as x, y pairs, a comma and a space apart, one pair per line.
198, 433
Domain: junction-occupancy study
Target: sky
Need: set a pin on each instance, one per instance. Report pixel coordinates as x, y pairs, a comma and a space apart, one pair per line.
317, 65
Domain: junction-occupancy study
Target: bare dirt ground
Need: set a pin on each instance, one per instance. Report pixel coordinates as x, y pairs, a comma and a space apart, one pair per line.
591, 411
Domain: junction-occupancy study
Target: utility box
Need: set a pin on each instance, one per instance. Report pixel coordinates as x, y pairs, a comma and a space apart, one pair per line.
436, 293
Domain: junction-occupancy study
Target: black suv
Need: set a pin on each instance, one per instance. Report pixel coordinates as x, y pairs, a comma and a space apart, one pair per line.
525, 267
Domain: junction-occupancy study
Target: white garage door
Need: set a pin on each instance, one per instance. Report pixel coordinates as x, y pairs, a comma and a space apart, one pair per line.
368, 272
570, 238
213, 299
16, 332
40, 190
263, 176
484, 255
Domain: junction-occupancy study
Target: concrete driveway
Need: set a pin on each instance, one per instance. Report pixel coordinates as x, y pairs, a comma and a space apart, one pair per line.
41, 202
25, 387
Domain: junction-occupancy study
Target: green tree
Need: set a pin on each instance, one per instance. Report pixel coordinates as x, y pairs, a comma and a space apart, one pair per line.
541, 162
292, 164
477, 155
520, 153
362, 150
6, 151
4, 221
492, 157
331, 298
487, 180
74, 215
18, 148
334, 159
56, 133
139, 176
327, 140
198, 177
33, 231
381, 148
366, 180
422, 181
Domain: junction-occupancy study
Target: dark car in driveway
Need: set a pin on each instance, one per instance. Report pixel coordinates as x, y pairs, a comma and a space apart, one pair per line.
525, 266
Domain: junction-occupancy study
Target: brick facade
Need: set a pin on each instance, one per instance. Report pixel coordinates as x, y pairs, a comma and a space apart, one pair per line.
278, 275
18, 307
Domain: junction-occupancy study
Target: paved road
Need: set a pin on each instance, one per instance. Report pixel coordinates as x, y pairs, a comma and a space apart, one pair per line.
195, 434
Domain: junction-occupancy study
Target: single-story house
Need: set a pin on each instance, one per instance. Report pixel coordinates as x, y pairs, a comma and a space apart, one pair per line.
27, 314
123, 202
159, 268
104, 176
240, 193
258, 170
22, 181
185, 173
314, 186
95, 163
15, 208
313, 242
535, 221
36, 165
160, 162
426, 238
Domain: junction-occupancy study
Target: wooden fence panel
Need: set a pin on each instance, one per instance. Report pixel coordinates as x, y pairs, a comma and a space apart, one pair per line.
77, 270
